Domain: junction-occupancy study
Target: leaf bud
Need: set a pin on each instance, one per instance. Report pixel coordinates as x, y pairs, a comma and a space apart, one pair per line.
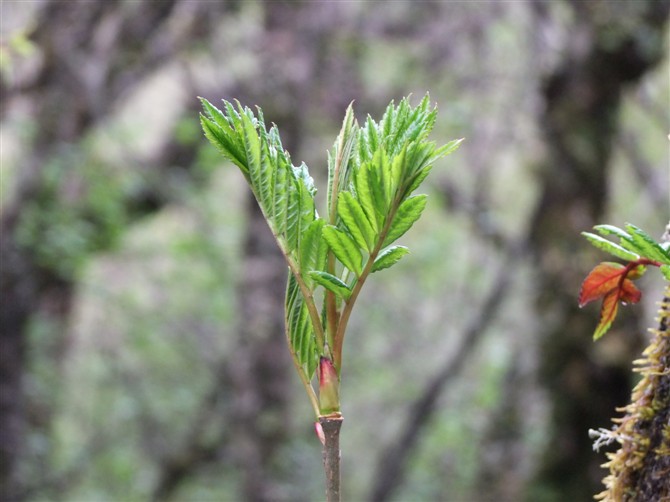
329, 387
319, 432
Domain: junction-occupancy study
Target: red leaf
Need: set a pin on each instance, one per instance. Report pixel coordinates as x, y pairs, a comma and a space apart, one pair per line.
607, 313
601, 280
611, 282
629, 292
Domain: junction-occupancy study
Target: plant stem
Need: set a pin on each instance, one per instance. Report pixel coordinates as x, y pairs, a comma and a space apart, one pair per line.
349, 305
331, 425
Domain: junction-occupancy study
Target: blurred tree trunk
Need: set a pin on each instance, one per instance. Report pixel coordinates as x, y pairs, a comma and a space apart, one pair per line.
613, 45
92, 53
261, 366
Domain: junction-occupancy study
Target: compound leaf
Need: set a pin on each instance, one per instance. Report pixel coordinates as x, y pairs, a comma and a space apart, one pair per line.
647, 246
610, 247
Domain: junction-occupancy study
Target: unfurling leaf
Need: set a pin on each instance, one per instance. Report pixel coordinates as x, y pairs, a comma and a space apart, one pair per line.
611, 282
600, 281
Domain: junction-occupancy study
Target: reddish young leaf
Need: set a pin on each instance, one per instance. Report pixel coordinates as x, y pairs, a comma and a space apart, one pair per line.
607, 313
629, 292
604, 278
611, 282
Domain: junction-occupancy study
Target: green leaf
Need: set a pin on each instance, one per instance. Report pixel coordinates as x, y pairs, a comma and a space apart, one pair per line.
313, 249
300, 332
606, 230
259, 169
610, 247
331, 283
293, 212
365, 196
647, 246
282, 187
220, 134
300, 210
344, 248
408, 212
339, 162
285, 193
368, 142
354, 218
450, 147
388, 120
410, 125
378, 182
665, 269
625, 239
389, 257
397, 171
418, 179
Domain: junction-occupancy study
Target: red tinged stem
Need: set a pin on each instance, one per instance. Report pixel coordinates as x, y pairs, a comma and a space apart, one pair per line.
329, 387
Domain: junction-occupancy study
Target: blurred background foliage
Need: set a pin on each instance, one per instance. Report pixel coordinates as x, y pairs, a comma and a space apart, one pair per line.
142, 347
